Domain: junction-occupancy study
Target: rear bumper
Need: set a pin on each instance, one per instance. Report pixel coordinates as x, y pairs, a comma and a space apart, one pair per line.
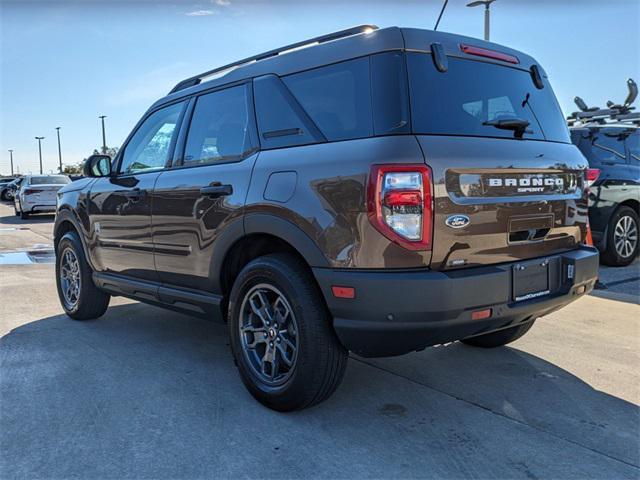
35, 207
396, 312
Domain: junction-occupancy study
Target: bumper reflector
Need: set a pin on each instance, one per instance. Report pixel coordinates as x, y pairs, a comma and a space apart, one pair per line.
343, 292
481, 314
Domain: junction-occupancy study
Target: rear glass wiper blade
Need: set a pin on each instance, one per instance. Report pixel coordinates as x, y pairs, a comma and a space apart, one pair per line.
518, 125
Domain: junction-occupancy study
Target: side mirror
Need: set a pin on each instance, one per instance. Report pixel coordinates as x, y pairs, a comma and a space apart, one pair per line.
97, 166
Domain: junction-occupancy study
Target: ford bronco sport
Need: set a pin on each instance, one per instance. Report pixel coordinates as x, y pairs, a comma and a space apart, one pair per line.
373, 190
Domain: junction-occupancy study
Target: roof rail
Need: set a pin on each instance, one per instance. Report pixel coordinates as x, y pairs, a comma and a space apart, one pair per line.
195, 80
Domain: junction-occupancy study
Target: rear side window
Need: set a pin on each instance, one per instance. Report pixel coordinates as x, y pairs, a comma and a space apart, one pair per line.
220, 128
471, 94
337, 98
633, 144
607, 146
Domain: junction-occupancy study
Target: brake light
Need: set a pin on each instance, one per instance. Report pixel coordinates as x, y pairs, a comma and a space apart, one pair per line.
31, 191
592, 175
399, 204
485, 52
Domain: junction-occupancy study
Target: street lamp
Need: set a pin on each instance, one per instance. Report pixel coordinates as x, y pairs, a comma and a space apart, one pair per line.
59, 149
487, 4
11, 156
40, 151
104, 138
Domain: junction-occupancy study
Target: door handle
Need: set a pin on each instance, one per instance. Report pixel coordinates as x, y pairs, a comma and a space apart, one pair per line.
215, 191
135, 194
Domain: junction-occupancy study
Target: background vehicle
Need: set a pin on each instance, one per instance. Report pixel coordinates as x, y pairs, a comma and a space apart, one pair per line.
37, 194
610, 140
355, 191
6, 188
8, 191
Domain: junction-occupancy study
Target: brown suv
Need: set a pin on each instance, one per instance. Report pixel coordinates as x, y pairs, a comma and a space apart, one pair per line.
378, 191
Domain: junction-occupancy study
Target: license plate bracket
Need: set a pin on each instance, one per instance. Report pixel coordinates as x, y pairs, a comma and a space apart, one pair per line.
530, 280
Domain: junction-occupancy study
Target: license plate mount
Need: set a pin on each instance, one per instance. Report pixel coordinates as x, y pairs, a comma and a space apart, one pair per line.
530, 280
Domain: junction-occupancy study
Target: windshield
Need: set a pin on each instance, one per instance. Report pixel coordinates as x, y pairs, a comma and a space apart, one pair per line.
50, 180
472, 98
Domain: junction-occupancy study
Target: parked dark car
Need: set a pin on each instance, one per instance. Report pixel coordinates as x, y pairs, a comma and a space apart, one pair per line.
373, 191
8, 190
613, 152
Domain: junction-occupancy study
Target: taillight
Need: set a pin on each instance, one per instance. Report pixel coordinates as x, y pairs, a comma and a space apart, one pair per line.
592, 175
399, 204
31, 191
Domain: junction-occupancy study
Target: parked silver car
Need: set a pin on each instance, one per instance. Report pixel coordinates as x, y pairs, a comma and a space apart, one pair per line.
37, 194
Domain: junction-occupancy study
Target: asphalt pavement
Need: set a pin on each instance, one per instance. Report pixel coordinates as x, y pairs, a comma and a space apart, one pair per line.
147, 393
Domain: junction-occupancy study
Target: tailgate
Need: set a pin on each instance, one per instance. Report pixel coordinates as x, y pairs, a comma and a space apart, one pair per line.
502, 200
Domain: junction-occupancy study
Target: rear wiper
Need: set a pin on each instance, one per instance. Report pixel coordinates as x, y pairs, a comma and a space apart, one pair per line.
518, 125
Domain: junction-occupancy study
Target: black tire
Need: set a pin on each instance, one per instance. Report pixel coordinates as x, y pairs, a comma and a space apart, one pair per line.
617, 254
91, 301
320, 361
23, 215
499, 338
3, 196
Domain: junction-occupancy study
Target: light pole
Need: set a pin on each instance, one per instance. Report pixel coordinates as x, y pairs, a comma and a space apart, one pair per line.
40, 151
104, 138
11, 157
487, 14
59, 149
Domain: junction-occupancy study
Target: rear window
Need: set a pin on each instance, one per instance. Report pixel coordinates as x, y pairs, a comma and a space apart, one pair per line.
470, 93
49, 180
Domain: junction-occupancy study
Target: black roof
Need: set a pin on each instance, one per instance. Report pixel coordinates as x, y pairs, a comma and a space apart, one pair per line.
364, 40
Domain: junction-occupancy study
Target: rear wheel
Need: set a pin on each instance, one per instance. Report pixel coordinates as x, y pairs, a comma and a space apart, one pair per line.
23, 215
286, 351
499, 338
622, 237
80, 298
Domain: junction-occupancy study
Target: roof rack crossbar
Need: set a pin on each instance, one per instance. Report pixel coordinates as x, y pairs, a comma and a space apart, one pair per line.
195, 80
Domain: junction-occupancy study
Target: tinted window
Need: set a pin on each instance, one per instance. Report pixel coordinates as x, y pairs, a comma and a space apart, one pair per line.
389, 93
470, 93
219, 130
148, 149
337, 98
607, 146
633, 144
281, 120
49, 180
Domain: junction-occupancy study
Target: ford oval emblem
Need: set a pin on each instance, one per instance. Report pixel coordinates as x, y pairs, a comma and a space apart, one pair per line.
457, 221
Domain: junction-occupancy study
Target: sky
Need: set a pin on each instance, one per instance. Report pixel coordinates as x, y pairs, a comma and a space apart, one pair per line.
64, 63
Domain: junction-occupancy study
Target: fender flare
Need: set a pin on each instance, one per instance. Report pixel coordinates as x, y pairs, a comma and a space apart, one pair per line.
67, 215
257, 223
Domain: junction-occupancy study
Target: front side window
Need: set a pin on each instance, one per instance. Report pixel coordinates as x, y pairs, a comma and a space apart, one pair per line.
220, 129
148, 149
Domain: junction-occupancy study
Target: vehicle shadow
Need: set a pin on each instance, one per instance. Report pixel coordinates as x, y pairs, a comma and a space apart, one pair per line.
36, 218
143, 392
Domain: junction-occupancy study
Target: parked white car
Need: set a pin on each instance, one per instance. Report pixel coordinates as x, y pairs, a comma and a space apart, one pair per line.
37, 194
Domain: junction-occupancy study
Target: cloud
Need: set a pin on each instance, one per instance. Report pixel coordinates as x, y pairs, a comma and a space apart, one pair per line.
201, 13
223, 3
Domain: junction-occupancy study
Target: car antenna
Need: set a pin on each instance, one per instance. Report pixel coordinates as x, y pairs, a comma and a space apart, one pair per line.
444, 5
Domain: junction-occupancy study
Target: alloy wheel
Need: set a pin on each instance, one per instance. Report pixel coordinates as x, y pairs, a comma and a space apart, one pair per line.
625, 236
268, 334
70, 279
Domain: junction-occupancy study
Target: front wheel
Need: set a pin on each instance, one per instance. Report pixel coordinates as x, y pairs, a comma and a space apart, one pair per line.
287, 353
622, 237
499, 338
79, 296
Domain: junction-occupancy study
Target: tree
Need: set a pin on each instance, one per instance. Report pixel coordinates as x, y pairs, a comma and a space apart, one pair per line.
73, 169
